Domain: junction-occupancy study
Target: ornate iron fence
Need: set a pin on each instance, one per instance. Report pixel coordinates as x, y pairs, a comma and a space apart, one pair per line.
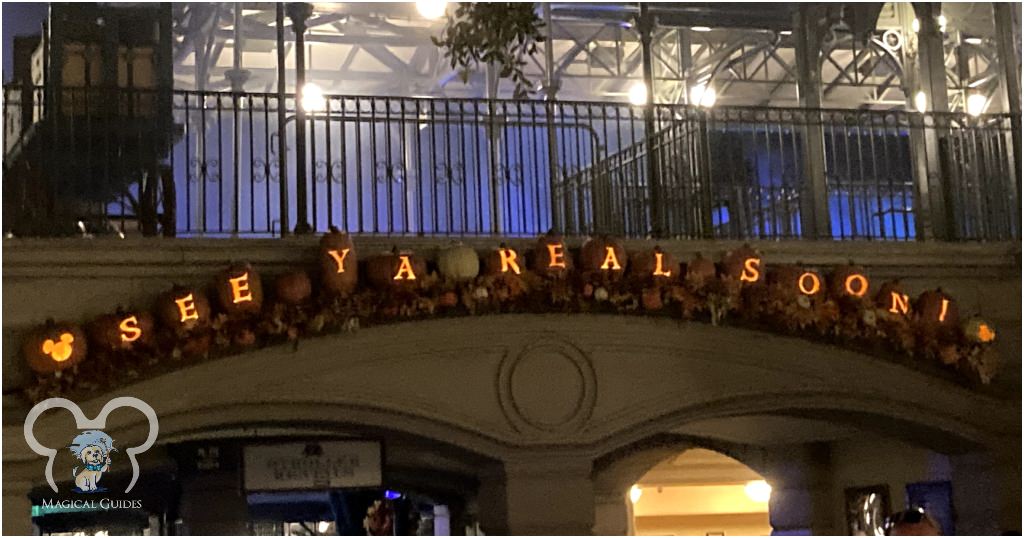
224, 164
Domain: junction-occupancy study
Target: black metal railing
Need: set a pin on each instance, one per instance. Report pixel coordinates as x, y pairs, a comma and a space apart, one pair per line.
208, 164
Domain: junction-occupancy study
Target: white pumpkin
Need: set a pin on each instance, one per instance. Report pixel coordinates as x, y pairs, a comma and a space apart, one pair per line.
458, 263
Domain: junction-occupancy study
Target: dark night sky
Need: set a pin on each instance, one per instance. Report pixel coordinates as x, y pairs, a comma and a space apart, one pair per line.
19, 18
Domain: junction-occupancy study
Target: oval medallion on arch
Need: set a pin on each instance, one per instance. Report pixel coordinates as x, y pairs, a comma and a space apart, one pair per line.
547, 387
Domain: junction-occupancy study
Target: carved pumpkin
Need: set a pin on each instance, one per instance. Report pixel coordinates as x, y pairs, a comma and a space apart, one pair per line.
936, 310
183, 309
239, 290
605, 256
654, 266
122, 330
293, 287
503, 261
700, 271
395, 270
849, 281
743, 264
892, 299
793, 280
551, 257
979, 331
54, 347
339, 266
458, 263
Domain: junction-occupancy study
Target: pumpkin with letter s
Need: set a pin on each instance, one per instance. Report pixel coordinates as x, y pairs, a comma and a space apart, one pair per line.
293, 287
605, 256
743, 264
183, 309
239, 290
339, 266
122, 330
396, 270
53, 347
551, 257
458, 263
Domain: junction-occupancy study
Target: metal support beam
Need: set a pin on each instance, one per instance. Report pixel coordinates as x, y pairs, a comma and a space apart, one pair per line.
1009, 60
282, 118
299, 12
645, 26
814, 212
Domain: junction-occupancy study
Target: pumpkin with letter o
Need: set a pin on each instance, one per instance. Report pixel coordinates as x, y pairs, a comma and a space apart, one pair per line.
183, 309
396, 270
849, 281
551, 257
458, 263
604, 255
743, 264
339, 266
293, 287
239, 290
700, 271
654, 266
54, 347
122, 330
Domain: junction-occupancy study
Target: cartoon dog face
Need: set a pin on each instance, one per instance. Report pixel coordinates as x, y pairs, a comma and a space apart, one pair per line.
93, 455
92, 447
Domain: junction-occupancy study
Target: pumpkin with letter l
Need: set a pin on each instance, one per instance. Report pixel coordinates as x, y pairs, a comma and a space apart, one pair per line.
551, 257
654, 266
458, 263
396, 270
54, 347
122, 330
604, 256
338, 264
239, 290
183, 309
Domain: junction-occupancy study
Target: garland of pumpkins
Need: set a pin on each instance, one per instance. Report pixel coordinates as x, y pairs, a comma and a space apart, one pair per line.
120, 347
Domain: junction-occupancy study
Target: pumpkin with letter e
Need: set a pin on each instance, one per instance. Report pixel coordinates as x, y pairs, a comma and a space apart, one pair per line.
551, 257
54, 347
183, 309
239, 290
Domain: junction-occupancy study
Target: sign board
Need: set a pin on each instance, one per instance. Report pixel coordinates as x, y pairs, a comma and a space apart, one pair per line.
313, 465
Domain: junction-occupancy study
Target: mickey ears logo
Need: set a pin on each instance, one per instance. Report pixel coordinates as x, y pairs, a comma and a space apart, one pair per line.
83, 423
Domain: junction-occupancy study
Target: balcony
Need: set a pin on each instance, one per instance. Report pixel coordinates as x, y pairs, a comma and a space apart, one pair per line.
215, 164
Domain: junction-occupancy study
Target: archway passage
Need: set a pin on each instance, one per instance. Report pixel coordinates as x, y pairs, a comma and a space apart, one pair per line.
700, 492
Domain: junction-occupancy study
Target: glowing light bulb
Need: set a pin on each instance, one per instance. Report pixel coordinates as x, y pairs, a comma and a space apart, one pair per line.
915, 26
322, 526
976, 104
942, 23
921, 102
312, 99
431, 9
700, 28
758, 491
634, 493
638, 93
703, 95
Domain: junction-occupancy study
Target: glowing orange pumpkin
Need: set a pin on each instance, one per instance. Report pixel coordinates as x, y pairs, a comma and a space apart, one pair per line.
54, 347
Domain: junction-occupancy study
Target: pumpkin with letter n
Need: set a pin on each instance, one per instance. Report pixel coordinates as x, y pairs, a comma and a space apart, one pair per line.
54, 347
122, 330
338, 264
396, 270
239, 290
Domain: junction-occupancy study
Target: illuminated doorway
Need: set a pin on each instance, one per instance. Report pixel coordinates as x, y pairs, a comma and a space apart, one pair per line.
700, 493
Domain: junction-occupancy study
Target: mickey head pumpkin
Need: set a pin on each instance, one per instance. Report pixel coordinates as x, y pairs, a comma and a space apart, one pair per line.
338, 264
239, 290
122, 330
54, 347
183, 309
551, 257
978, 331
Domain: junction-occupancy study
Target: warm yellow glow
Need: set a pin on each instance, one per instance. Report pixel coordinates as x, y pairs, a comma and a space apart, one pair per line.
942, 23
187, 307
809, 283
240, 292
921, 102
700, 28
59, 351
556, 255
758, 491
856, 285
339, 257
431, 9
313, 98
638, 93
634, 493
658, 269
611, 261
405, 271
900, 303
130, 330
985, 333
508, 261
751, 270
703, 95
976, 104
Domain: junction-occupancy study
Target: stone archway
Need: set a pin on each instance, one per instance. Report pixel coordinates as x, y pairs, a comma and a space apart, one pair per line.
546, 395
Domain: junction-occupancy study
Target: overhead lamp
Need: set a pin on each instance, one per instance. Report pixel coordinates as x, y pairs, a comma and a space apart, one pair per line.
323, 526
703, 95
312, 98
700, 28
431, 9
758, 491
942, 23
786, 32
976, 104
634, 493
921, 102
972, 40
915, 25
638, 93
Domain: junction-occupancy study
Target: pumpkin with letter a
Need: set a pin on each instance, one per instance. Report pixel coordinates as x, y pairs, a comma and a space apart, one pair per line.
396, 270
848, 281
700, 271
183, 309
54, 347
604, 255
293, 287
122, 330
239, 290
339, 266
551, 257
654, 266
458, 263
935, 310
743, 264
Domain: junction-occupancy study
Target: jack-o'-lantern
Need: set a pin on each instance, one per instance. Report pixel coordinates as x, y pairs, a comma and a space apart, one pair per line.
849, 282
122, 330
936, 310
978, 331
293, 287
793, 280
458, 263
503, 261
54, 347
183, 309
396, 270
605, 256
239, 290
551, 257
892, 299
700, 271
654, 266
743, 264
339, 266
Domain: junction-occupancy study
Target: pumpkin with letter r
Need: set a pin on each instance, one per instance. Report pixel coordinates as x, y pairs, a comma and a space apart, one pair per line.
54, 347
